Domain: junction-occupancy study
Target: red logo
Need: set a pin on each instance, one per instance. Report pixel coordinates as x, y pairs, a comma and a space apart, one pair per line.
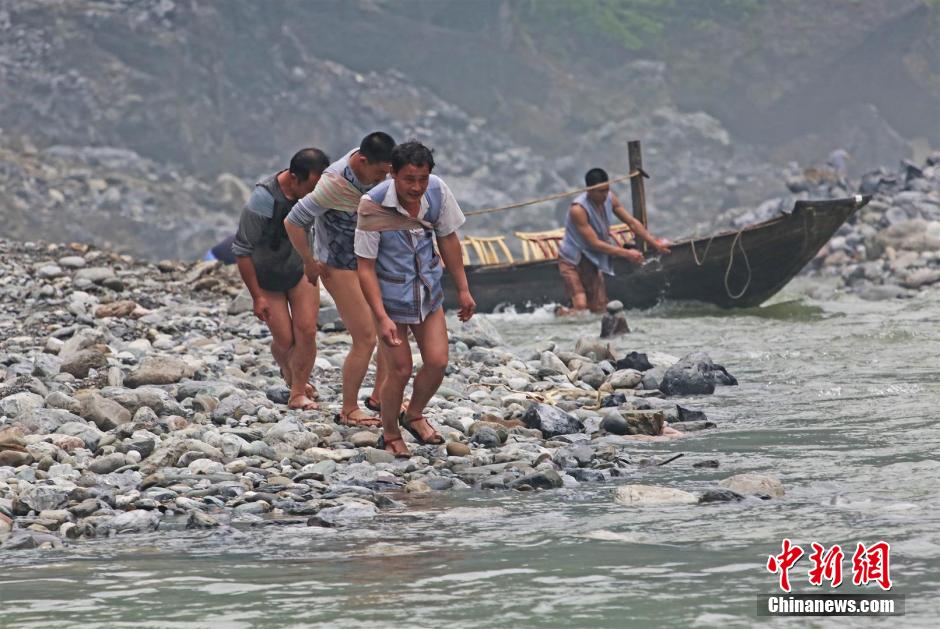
869, 564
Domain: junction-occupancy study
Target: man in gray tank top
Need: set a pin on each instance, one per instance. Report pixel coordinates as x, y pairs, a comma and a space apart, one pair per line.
585, 253
274, 272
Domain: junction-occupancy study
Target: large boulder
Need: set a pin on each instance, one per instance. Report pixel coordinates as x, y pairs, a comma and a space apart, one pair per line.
695, 374
551, 421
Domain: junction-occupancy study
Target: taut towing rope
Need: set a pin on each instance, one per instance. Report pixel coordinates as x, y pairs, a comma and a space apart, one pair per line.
557, 195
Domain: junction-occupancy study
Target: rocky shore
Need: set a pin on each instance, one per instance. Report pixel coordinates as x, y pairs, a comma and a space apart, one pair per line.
137, 395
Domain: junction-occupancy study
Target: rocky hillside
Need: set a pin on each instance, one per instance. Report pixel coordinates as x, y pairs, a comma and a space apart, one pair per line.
516, 104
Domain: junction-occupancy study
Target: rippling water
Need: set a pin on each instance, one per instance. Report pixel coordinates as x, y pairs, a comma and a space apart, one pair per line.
838, 398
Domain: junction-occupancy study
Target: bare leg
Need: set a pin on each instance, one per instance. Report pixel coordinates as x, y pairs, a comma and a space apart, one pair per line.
431, 336
282, 332
357, 316
398, 372
304, 302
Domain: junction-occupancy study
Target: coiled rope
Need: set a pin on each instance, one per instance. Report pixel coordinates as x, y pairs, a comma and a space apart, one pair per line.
737, 242
552, 197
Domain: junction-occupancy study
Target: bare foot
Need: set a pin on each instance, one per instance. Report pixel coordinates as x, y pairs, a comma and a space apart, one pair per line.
302, 403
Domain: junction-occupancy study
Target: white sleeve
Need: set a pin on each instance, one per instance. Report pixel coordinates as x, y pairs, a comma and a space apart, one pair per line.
367, 244
451, 217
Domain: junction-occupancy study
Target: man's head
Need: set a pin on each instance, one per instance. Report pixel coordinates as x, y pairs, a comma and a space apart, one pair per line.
304, 171
592, 178
412, 163
373, 160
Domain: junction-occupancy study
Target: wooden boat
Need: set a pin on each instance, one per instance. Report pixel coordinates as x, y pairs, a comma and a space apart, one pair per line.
733, 269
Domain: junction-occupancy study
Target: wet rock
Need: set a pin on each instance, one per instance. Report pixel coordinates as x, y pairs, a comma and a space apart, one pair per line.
137, 521
199, 520
720, 495
695, 374
708, 463
688, 415
614, 322
754, 484
543, 479
417, 486
634, 422
551, 421
649, 495
348, 512
634, 360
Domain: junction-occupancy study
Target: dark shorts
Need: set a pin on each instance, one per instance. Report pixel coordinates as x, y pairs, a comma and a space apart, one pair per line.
340, 236
584, 279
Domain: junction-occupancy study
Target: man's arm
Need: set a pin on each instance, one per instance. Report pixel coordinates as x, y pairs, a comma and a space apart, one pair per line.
449, 246
636, 226
580, 220
298, 224
369, 283
260, 305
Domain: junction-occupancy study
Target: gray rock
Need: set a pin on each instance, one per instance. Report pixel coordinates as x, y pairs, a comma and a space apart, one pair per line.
95, 274
720, 495
20, 404
486, 437
348, 512
45, 420
551, 421
108, 463
625, 379
72, 262
83, 430
695, 374
137, 521
159, 370
649, 495
44, 497
763, 485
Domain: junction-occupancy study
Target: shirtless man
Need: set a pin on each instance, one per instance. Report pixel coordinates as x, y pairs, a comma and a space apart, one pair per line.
587, 247
331, 210
274, 272
400, 274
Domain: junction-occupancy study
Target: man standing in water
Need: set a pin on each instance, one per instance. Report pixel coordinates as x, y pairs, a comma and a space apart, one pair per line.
331, 210
274, 272
587, 247
400, 275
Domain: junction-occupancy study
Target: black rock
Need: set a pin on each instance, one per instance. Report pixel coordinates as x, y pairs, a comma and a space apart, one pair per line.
614, 400
551, 421
547, 479
614, 325
720, 495
635, 360
707, 463
688, 415
588, 475
615, 424
695, 374
279, 394
486, 437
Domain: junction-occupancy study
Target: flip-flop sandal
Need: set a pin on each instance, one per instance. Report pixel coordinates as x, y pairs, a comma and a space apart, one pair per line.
358, 417
376, 407
382, 444
436, 438
309, 405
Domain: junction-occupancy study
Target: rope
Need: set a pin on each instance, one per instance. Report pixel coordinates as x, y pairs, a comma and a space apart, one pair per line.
704, 253
737, 241
552, 197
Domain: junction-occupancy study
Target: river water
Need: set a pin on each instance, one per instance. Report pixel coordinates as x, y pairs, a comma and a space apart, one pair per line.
838, 398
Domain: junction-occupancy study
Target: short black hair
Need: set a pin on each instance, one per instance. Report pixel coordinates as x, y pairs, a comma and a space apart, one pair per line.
377, 147
414, 153
307, 161
595, 176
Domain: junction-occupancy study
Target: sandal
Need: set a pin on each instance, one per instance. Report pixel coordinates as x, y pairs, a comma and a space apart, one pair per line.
309, 390
433, 439
384, 444
358, 417
376, 407
302, 403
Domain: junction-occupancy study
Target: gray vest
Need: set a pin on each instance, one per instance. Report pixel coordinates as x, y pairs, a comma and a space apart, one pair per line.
573, 246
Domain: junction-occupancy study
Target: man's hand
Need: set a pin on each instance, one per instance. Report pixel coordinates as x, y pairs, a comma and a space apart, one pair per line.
262, 308
467, 305
314, 270
388, 332
632, 255
661, 245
